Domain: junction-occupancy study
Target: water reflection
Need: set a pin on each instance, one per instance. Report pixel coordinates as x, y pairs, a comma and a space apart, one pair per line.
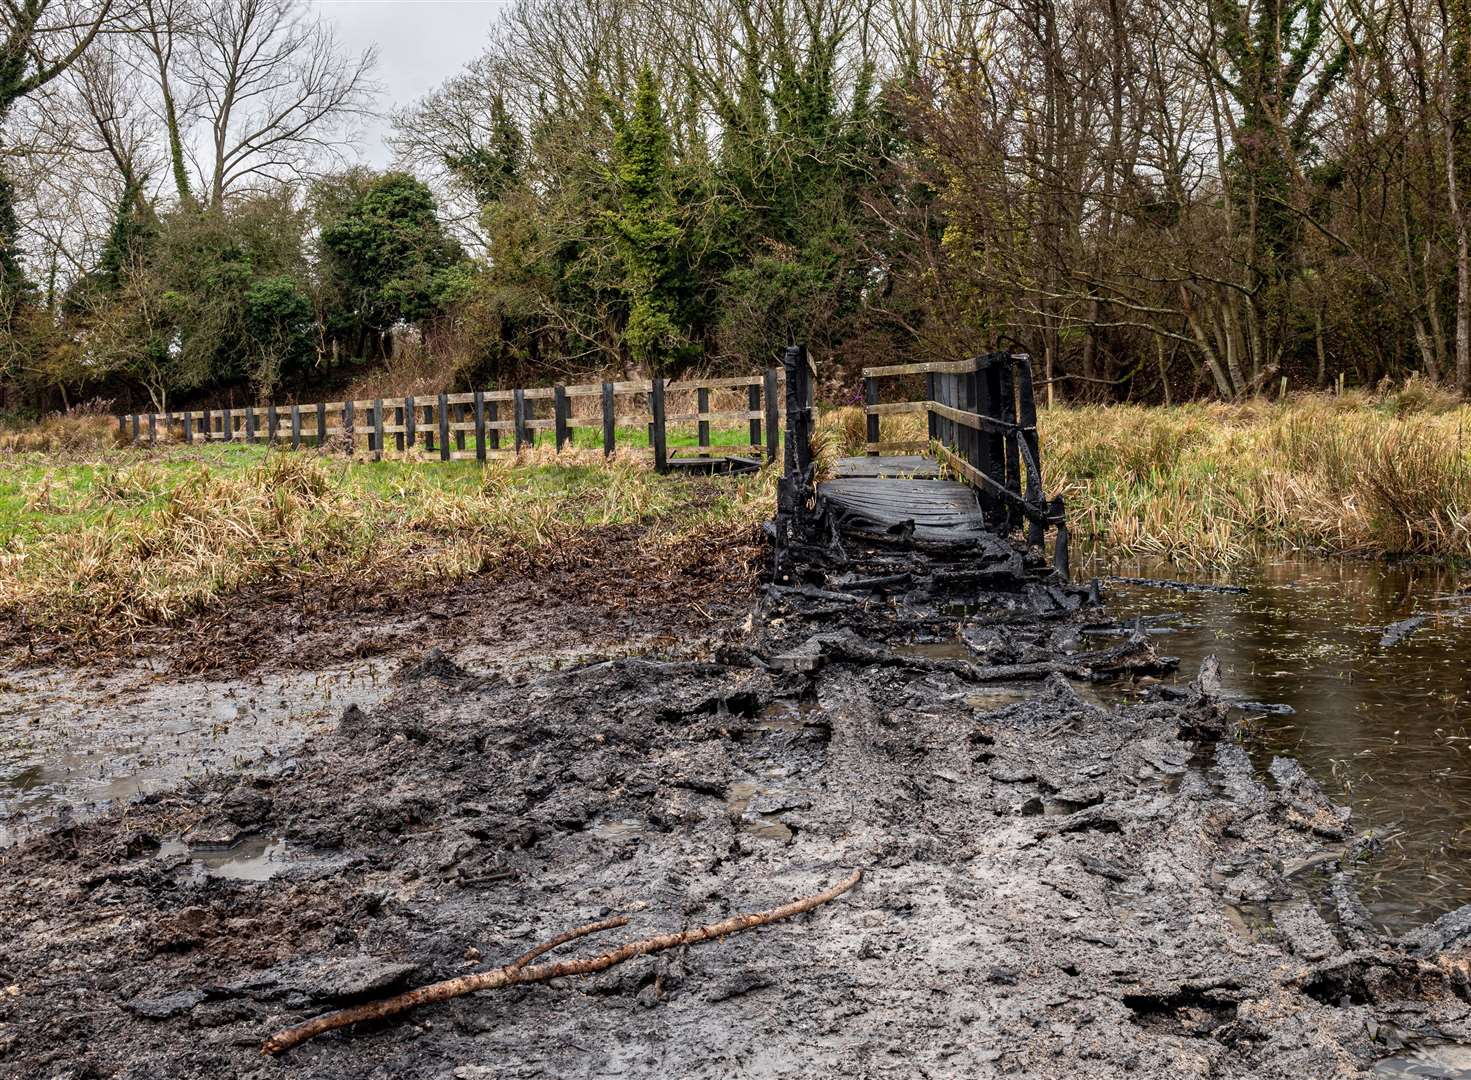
1384, 729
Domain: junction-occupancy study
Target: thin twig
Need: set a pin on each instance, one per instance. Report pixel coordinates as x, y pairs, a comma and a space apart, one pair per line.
513, 975
562, 939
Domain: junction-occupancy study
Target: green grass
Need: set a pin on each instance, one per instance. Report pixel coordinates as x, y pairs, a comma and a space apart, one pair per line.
114, 540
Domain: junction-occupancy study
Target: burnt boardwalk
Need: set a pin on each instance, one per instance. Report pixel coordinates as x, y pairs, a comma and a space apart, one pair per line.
906, 494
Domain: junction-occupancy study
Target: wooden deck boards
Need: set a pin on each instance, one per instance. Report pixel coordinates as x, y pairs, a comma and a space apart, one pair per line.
943, 511
910, 466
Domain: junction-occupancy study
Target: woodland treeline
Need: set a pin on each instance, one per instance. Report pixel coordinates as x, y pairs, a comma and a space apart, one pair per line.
1159, 200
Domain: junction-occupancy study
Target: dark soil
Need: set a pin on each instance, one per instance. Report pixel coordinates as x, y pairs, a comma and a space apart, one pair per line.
1052, 889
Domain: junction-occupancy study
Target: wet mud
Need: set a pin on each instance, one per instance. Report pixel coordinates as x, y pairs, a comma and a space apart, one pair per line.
1058, 883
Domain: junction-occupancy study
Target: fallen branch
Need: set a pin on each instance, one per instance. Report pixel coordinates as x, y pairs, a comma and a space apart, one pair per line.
517, 973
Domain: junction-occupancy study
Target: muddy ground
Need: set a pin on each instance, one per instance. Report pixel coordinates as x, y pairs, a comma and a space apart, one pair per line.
1054, 887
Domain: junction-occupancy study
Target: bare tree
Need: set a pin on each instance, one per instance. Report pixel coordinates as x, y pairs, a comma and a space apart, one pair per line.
275, 93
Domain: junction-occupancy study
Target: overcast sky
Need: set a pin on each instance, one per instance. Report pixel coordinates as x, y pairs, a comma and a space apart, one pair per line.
420, 44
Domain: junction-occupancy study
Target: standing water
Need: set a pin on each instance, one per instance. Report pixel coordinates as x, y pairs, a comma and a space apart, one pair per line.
1385, 729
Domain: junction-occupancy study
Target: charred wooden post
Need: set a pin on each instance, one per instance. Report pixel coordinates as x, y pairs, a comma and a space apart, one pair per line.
378, 428
227, 425
871, 425
462, 414
273, 423
773, 435
410, 415
250, 424
702, 407
493, 417
188, 427
753, 405
296, 427
480, 426
321, 423
559, 415
398, 422
610, 421
518, 401
349, 426
656, 407
444, 427
137, 429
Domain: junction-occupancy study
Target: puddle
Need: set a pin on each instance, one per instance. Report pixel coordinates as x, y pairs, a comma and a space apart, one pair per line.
256, 858
618, 830
1385, 730
997, 697
1447, 1061
937, 650
739, 798
78, 741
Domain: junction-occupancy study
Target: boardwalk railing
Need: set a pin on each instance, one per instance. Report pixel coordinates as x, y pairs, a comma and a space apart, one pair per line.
481, 423
982, 420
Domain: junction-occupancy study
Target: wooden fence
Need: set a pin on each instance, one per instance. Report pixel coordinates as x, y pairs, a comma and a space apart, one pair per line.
482, 423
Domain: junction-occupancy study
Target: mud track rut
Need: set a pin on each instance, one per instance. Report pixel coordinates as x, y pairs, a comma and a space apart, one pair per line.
1053, 888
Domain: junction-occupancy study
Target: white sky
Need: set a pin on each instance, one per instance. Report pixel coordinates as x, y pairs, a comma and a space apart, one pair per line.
420, 44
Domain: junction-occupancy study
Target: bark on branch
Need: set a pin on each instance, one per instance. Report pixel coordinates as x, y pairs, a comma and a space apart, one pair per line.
518, 973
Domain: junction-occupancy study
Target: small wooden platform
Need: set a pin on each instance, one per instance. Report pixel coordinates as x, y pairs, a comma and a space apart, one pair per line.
878, 495
907, 466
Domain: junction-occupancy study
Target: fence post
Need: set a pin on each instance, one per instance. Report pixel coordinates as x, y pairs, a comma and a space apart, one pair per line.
409, 418
273, 423
122, 428
443, 427
321, 423
227, 425
753, 404
559, 411
378, 429
295, 427
168, 423
493, 416
610, 420
136, 430
656, 407
480, 426
462, 413
429, 428
871, 397
250, 423
773, 424
152, 429
188, 426
518, 402
398, 422
350, 426
702, 406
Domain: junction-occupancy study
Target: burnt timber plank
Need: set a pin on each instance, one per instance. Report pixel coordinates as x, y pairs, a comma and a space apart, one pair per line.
943, 511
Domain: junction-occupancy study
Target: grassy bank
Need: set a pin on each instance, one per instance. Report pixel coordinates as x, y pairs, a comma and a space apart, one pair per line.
99, 540
113, 540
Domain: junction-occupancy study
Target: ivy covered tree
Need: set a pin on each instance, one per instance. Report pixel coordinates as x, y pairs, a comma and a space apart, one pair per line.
647, 230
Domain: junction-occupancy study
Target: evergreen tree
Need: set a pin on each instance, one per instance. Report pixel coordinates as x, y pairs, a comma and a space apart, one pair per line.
649, 237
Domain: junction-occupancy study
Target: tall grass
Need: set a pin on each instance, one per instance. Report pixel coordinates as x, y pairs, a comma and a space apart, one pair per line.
130, 545
1213, 485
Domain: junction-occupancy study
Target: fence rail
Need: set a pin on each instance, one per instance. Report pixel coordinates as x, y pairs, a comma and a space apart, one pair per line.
982, 419
477, 424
